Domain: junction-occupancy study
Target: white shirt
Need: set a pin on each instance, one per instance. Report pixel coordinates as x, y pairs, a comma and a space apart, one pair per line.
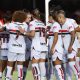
75, 25
67, 37
5, 38
55, 28
39, 36
17, 45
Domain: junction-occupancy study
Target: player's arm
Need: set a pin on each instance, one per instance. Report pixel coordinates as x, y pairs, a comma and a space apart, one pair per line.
72, 41
54, 41
77, 29
2, 29
29, 34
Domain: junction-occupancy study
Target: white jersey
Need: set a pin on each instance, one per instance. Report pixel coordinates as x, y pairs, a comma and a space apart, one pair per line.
68, 26
39, 38
17, 45
55, 28
4, 38
75, 25
50, 23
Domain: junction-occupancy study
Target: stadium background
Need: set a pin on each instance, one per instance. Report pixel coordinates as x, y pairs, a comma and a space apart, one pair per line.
70, 6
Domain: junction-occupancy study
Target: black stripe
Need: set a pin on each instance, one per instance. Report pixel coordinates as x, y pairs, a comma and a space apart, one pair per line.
59, 34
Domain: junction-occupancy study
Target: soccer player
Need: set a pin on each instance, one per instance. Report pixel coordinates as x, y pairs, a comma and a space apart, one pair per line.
56, 49
4, 38
28, 47
16, 45
49, 66
38, 47
68, 39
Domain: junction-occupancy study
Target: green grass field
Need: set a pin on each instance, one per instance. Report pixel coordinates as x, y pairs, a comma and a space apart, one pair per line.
29, 76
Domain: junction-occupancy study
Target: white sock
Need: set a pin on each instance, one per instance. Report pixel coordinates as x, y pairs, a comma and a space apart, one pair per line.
77, 63
24, 73
67, 72
42, 70
59, 72
74, 69
0, 75
8, 75
36, 71
20, 72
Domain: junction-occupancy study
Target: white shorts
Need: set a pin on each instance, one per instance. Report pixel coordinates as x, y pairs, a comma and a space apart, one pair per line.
67, 55
72, 55
65, 59
16, 56
3, 54
28, 54
57, 55
38, 54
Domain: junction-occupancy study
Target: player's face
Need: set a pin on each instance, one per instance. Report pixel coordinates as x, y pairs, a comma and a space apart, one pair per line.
28, 19
61, 19
50, 18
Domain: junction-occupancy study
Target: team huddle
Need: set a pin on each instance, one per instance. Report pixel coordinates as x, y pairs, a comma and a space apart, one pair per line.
52, 48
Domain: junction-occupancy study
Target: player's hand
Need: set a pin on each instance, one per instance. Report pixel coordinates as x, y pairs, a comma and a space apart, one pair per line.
52, 51
21, 30
70, 49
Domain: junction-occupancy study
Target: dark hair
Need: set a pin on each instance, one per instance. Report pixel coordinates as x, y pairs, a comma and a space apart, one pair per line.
56, 13
7, 17
19, 16
54, 8
36, 13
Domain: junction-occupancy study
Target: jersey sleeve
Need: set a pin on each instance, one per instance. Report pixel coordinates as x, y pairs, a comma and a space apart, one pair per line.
55, 28
70, 27
26, 26
32, 26
75, 24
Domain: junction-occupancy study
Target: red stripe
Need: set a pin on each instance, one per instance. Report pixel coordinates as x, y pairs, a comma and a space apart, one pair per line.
20, 73
60, 31
33, 70
36, 70
50, 32
12, 30
63, 31
76, 68
62, 74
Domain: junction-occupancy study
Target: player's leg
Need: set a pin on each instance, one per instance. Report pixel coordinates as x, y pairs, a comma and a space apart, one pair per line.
11, 59
50, 71
20, 61
42, 66
2, 66
66, 67
57, 61
3, 61
26, 63
25, 67
72, 63
35, 56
